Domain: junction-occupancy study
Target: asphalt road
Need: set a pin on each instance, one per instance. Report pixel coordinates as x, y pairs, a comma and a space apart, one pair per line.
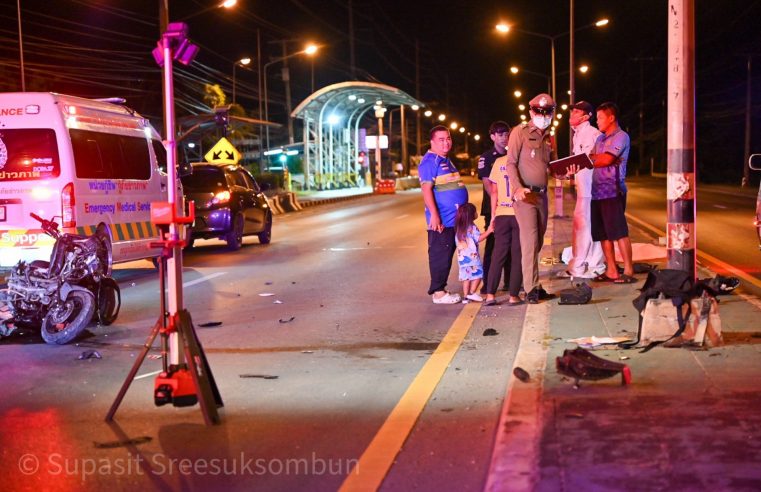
308, 375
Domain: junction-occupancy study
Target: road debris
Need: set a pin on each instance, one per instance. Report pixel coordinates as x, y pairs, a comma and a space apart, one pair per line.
90, 354
277, 301
593, 341
288, 320
266, 294
124, 443
521, 374
258, 376
490, 332
209, 324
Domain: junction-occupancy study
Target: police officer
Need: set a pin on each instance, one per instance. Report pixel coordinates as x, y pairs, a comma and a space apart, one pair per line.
529, 151
498, 132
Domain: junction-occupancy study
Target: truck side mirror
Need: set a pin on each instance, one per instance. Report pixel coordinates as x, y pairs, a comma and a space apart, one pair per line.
754, 162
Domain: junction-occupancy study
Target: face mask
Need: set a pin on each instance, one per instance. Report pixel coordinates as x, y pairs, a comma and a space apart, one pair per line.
541, 122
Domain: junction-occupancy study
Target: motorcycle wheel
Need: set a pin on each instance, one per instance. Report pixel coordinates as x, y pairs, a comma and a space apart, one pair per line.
66, 321
109, 301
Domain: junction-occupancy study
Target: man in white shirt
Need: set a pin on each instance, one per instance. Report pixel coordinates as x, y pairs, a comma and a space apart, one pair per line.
588, 259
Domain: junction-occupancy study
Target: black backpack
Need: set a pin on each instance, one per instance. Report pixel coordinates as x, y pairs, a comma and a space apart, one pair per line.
677, 285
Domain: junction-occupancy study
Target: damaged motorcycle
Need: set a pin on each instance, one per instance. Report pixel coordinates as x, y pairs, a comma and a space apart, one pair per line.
62, 295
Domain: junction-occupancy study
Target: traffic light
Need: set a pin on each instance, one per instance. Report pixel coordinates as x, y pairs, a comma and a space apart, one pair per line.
221, 116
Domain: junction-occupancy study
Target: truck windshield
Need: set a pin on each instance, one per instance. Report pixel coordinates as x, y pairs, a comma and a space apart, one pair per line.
28, 154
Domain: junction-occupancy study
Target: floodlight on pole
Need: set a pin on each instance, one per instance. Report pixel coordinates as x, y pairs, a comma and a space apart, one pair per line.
601, 22
442, 117
517, 93
502, 27
514, 69
428, 113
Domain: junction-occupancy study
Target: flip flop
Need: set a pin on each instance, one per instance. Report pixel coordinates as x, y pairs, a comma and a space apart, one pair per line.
516, 303
492, 302
603, 278
624, 279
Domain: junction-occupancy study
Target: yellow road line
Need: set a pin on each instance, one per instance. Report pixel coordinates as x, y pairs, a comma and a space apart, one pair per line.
705, 256
375, 462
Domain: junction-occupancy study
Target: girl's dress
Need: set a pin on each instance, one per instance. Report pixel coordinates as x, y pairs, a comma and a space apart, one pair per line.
467, 255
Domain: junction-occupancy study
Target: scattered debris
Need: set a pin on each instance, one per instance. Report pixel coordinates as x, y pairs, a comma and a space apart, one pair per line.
521, 374
575, 415
293, 283
715, 354
209, 324
447, 409
259, 376
90, 354
281, 320
154, 356
266, 294
307, 351
582, 364
593, 341
126, 442
277, 301
268, 282
490, 332
624, 357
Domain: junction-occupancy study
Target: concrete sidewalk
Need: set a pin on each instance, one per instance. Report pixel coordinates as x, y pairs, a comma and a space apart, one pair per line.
690, 420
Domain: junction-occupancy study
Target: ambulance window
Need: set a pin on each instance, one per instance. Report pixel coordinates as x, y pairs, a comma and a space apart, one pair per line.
28, 154
107, 156
160, 151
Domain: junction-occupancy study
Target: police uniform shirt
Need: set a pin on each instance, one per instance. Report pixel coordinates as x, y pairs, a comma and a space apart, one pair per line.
499, 177
529, 150
604, 178
584, 138
448, 189
485, 164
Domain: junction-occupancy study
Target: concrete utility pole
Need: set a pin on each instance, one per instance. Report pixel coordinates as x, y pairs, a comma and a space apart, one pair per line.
680, 185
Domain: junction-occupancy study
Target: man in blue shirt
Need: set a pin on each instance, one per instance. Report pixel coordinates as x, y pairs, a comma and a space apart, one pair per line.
443, 191
610, 154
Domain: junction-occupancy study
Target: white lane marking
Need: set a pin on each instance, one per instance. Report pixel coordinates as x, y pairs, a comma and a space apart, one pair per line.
720, 206
143, 376
203, 279
402, 216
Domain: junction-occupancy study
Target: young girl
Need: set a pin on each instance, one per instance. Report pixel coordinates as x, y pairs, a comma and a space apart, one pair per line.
468, 236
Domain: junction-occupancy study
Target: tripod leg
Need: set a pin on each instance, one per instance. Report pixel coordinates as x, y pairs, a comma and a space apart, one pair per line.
200, 371
133, 371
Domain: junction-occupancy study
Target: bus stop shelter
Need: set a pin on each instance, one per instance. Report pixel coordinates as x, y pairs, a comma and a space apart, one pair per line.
332, 119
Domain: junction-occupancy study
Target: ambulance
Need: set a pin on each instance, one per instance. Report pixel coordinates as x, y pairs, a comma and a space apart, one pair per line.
86, 163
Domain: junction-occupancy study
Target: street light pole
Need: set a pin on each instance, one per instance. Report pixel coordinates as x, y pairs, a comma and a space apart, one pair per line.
242, 62
20, 46
309, 50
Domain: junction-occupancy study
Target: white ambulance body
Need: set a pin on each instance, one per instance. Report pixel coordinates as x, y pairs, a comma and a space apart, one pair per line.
83, 162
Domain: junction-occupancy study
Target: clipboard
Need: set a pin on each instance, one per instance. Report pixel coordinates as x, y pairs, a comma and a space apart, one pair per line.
560, 166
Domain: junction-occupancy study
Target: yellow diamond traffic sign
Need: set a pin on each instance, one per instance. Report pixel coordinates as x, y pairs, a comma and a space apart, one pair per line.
223, 152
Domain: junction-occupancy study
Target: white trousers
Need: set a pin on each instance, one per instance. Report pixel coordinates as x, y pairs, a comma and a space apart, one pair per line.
588, 259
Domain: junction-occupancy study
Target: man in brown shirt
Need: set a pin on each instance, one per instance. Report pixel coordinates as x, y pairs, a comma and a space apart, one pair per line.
529, 151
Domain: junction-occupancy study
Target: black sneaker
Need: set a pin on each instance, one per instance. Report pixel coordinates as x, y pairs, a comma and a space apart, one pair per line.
533, 296
544, 295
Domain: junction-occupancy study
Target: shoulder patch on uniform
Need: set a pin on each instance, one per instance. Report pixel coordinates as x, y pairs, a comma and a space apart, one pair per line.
481, 163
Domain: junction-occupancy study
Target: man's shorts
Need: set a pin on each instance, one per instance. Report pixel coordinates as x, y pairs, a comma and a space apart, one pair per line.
608, 219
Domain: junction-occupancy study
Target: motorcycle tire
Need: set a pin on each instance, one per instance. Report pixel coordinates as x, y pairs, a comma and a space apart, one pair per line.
64, 323
109, 301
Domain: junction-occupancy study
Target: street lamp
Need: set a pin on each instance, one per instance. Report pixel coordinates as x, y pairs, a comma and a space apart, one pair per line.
428, 113
517, 93
584, 69
310, 50
226, 4
243, 62
442, 117
505, 28
514, 70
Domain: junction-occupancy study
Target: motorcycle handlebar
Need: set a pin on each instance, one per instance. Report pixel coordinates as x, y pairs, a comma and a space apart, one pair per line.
36, 217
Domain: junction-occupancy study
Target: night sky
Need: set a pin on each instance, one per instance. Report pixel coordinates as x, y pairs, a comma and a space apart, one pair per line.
99, 48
